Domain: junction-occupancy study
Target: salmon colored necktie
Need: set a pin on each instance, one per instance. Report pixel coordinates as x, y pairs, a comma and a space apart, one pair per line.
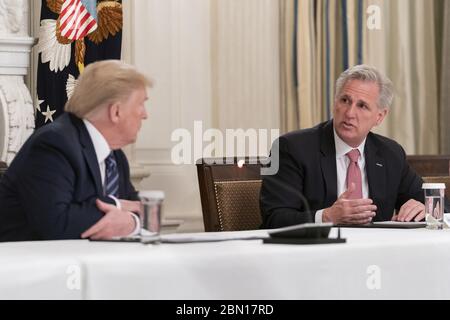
354, 174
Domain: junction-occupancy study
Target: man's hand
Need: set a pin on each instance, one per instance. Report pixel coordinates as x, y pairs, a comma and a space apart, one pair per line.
350, 211
132, 206
114, 223
411, 209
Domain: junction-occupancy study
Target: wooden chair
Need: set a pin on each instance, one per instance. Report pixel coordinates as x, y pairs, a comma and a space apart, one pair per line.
432, 169
430, 165
229, 193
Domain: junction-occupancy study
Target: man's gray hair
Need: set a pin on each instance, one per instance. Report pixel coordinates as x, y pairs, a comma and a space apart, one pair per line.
368, 73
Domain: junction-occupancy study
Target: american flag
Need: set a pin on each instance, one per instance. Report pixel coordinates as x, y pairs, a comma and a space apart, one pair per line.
56, 75
77, 18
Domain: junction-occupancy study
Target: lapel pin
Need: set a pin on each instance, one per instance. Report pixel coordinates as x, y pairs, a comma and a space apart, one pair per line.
379, 164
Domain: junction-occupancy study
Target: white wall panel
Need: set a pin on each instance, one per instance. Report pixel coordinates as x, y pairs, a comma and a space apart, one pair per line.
212, 60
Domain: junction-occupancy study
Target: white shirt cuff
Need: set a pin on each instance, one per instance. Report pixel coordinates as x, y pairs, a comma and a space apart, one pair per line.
137, 221
117, 201
318, 216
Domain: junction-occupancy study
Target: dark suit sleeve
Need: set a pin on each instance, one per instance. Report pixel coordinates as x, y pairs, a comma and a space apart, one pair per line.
46, 187
281, 200
410, 186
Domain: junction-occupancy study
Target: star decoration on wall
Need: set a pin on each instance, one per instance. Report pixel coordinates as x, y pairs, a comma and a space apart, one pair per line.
38, 107
48, 114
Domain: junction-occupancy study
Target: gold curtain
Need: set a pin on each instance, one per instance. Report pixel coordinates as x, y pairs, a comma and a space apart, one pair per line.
289, 113
444, 113
405, 50
412, 48
318, 42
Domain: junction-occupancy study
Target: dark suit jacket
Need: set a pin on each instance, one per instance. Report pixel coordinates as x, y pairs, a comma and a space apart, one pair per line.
308, 168
49, 191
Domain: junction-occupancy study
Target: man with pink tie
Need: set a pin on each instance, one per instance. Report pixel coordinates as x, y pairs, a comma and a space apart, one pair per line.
347, 174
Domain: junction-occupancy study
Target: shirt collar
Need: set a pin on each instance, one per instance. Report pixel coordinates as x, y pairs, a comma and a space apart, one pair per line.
101, 147
342, 148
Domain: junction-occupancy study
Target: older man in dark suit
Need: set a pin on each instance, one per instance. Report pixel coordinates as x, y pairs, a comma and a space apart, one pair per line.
70, 180
345, 173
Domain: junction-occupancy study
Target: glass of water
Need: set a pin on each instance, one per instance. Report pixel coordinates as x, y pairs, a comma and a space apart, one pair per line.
434, 204
151, 214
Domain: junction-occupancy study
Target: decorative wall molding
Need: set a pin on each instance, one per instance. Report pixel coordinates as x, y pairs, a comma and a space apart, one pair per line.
15, 55
16, 107
13, 18
18, 115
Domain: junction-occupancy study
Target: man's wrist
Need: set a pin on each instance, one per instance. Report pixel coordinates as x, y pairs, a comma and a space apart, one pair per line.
326, 216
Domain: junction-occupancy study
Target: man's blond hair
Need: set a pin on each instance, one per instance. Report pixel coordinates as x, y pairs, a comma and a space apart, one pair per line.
103, 83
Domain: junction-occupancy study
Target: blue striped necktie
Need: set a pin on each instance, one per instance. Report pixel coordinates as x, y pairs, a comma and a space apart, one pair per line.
112, 176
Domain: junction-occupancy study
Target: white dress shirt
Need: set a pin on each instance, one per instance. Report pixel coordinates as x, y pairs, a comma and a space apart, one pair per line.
342, 162
102, 150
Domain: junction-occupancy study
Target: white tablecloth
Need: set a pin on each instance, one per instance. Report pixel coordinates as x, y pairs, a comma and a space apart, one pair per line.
373, 264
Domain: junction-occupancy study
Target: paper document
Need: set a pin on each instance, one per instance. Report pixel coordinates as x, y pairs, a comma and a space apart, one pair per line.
386, 224
399, 224
213, 236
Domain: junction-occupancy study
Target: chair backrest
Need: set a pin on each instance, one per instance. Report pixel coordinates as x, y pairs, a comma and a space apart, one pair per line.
430, 165
442, 179
230, 193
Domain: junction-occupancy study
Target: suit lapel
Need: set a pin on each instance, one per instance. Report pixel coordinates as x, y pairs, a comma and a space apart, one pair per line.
91, 160
89, 153
328, 163
376, 174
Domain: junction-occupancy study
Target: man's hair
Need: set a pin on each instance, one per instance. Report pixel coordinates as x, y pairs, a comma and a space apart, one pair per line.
368, 73
102, 83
